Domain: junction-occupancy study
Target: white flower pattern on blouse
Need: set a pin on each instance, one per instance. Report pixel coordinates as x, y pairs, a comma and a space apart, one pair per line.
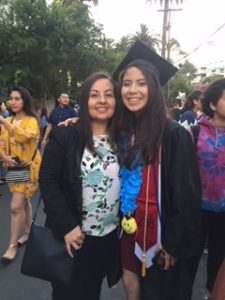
101, 185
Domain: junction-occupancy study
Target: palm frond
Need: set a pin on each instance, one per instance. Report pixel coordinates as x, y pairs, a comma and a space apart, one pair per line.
163, 1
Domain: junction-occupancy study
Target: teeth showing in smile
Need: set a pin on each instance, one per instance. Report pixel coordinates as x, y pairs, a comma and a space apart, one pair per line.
101, 109
133, 100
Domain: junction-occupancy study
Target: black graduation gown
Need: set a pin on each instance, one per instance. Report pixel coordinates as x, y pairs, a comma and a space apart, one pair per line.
180, 218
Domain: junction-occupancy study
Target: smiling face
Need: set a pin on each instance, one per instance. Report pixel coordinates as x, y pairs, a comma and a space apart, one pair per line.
101, 102
16, 102
134, 90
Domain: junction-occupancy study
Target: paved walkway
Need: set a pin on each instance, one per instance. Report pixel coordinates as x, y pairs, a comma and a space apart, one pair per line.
14, 286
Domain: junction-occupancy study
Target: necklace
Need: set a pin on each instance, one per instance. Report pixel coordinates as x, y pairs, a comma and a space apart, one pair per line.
131, 181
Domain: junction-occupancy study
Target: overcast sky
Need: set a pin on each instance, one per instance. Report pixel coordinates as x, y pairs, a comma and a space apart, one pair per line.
197, 20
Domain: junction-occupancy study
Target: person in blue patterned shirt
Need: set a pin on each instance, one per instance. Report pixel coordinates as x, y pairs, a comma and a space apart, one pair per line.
59, 114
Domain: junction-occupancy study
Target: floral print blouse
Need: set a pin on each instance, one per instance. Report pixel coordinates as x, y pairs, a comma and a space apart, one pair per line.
101, 186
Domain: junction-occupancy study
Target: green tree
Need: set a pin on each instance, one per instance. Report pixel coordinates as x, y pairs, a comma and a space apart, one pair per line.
210, 79
188, 69
146, 37
182, 81
70, 2
95, 2
50, 48
173, 48
124, 43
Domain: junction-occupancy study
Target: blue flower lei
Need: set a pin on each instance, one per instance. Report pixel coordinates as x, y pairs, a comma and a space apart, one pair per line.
131, 181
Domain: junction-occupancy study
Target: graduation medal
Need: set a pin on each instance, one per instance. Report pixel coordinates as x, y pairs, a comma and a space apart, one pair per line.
129, 224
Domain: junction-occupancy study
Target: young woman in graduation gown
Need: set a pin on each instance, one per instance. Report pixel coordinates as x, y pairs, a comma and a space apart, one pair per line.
160, 185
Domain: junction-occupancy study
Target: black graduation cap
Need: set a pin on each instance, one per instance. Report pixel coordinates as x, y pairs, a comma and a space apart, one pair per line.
138, 54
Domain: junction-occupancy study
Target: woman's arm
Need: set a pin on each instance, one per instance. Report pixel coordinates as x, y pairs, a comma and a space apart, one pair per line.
4, 136
181, 236
46, 136
7, 125
23, 135
218, 292
69, 121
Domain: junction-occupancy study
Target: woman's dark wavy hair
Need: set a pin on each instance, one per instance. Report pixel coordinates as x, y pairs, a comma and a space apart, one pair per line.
212, 96
44, 112
148, 126
84, 116
27, 101
189, 103
1, 106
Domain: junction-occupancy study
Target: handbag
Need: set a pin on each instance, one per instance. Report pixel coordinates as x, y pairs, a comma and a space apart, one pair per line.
19, 173
46, 257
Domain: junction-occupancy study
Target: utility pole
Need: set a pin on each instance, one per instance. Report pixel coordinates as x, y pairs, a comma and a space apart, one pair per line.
166, 37
166, 28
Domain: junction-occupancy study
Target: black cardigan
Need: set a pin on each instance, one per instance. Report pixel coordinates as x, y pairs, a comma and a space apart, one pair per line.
60, 181
60, 185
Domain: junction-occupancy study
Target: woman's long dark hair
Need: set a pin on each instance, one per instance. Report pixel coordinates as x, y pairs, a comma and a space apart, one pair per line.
27, 100
189, 103
44, 112
84, 116
1, 107
148, 126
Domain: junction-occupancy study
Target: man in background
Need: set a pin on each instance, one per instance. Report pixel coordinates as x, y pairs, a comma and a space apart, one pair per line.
59, 114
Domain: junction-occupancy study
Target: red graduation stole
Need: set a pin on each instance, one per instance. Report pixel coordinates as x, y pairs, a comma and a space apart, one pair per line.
146, 213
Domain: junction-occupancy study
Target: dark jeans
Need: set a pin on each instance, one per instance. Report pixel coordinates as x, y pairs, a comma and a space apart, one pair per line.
173, 284
213, 231
2, 170
93, 262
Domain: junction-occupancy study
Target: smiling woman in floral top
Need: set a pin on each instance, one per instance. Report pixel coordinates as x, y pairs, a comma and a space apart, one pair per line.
79, 181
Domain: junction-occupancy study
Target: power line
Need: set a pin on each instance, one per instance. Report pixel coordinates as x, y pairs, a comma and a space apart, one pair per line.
201, 44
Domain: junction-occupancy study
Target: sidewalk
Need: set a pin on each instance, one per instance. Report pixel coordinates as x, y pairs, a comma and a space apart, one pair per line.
14, 286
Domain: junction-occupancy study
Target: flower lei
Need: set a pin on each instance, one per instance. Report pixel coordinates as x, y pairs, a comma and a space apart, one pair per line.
131, 181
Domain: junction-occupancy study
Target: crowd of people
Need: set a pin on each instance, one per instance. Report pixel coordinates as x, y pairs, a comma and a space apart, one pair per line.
191, 111
133, 192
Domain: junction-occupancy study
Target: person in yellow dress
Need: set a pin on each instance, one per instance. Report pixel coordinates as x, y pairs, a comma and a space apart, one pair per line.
18, 145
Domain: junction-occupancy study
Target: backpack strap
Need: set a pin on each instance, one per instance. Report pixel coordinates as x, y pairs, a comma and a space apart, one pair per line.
195, 131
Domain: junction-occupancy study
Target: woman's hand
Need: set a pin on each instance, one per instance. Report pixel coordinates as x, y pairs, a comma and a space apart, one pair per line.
169, 260
6, 125
165, 259
68, 122
2, 120
74, 239
9, 161
43, 143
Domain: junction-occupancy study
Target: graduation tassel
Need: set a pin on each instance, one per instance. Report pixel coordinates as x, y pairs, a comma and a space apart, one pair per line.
143, 265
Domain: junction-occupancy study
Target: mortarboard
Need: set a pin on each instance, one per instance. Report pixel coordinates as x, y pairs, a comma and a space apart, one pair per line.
140, 54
